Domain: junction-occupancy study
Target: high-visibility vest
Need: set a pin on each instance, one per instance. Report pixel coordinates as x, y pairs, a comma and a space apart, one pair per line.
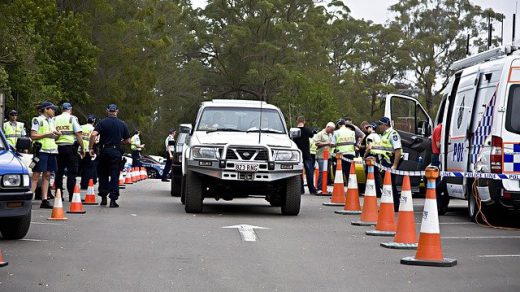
135, 141
345, 140
48, 144
313, 147
385, 147
13, 133
86, 130
64, 124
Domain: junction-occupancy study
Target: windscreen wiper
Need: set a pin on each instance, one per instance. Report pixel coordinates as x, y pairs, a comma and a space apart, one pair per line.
223, 130
272, 131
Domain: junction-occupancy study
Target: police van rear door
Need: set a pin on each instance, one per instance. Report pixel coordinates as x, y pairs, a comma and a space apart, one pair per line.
458, 128
414, 126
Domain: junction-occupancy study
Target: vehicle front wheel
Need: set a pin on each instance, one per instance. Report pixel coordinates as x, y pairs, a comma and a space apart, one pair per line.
193, 193
176, 182
15, 228
292, 201
152, 173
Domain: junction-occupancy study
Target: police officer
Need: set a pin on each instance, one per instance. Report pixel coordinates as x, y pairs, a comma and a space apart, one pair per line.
13, 129
136, 147
374, 149
113, 133
88, 163
68, 143
323, 141
43, 133
169, 150
392, 148
345, 142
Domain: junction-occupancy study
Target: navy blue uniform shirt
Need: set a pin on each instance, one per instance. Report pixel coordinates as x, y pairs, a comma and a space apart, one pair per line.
112, 131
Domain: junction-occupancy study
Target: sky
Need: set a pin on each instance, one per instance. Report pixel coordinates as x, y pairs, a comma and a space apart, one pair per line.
377, 11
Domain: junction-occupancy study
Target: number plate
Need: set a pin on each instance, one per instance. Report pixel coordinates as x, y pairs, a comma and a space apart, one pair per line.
246, 167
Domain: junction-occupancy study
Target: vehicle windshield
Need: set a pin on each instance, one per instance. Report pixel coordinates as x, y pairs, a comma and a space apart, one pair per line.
2, 144
513, 107
238, 119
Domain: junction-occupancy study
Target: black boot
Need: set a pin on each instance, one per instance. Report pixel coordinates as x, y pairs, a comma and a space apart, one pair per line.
103, 201
113, 204
45, 205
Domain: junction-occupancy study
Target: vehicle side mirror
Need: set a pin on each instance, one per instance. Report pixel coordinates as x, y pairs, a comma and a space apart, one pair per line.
186, 129
295, 133
23, 144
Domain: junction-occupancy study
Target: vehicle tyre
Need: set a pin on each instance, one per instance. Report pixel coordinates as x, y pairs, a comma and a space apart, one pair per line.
183, 189
292, 201
193, 193
176, 182
15, 228
472, 203
443, 200
152, 173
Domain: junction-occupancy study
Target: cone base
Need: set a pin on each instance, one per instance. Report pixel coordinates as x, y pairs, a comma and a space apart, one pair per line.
57, 219
380, 233
3, 264
446, 262
324, 195
396, 245
122, 187
76, 212
347, 212
333, 204
363, 223
91, 204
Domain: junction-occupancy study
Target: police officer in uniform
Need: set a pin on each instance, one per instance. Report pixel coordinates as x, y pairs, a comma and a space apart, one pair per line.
374, 149
13, 129
136, 147
113, 133
43, 133
323, 141
169, 150
345, 144
68, 143
88, 163
392, 148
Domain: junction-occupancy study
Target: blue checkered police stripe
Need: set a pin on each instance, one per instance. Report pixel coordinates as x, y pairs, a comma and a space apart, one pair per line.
483, 129
493, 176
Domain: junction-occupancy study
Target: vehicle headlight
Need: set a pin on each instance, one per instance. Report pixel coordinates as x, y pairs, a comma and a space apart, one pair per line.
286, 155
12, 180
26, 180
205, 153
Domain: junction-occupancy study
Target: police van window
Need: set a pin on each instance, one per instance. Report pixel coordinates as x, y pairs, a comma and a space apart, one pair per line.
422, 121
403, 114
513, 108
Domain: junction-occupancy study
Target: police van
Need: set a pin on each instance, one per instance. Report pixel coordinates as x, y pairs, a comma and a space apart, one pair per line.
481, 129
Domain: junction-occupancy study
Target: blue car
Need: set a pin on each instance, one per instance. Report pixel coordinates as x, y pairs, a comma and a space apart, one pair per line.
15, 190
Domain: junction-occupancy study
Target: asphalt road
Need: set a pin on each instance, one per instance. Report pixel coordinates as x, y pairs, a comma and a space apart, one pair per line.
151, 244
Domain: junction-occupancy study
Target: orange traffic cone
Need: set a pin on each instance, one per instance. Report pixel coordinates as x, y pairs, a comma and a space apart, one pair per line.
57, 210
143, 173
324, 176
352, 206
429, 250
135, 177
121, 182
129, 180
369, 214
405, 237
76, 207
316, 173
90, 197
385, 219
2, 262
338, 193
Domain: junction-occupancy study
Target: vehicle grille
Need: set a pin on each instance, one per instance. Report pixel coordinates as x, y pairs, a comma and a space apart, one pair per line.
247, 154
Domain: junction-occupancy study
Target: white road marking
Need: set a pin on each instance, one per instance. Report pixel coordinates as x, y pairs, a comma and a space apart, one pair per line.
498, 255
247, 232
45, 223
481, 237
35, 240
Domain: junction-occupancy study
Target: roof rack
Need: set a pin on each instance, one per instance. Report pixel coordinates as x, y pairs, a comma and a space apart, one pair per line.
484, 56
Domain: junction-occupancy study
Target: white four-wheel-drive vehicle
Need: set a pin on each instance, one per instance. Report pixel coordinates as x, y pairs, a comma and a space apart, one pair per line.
241, 148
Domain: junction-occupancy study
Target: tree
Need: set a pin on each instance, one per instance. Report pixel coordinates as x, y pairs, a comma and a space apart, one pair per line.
435, 33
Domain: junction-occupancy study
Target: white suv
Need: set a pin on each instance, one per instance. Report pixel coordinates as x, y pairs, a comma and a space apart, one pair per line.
241, 148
